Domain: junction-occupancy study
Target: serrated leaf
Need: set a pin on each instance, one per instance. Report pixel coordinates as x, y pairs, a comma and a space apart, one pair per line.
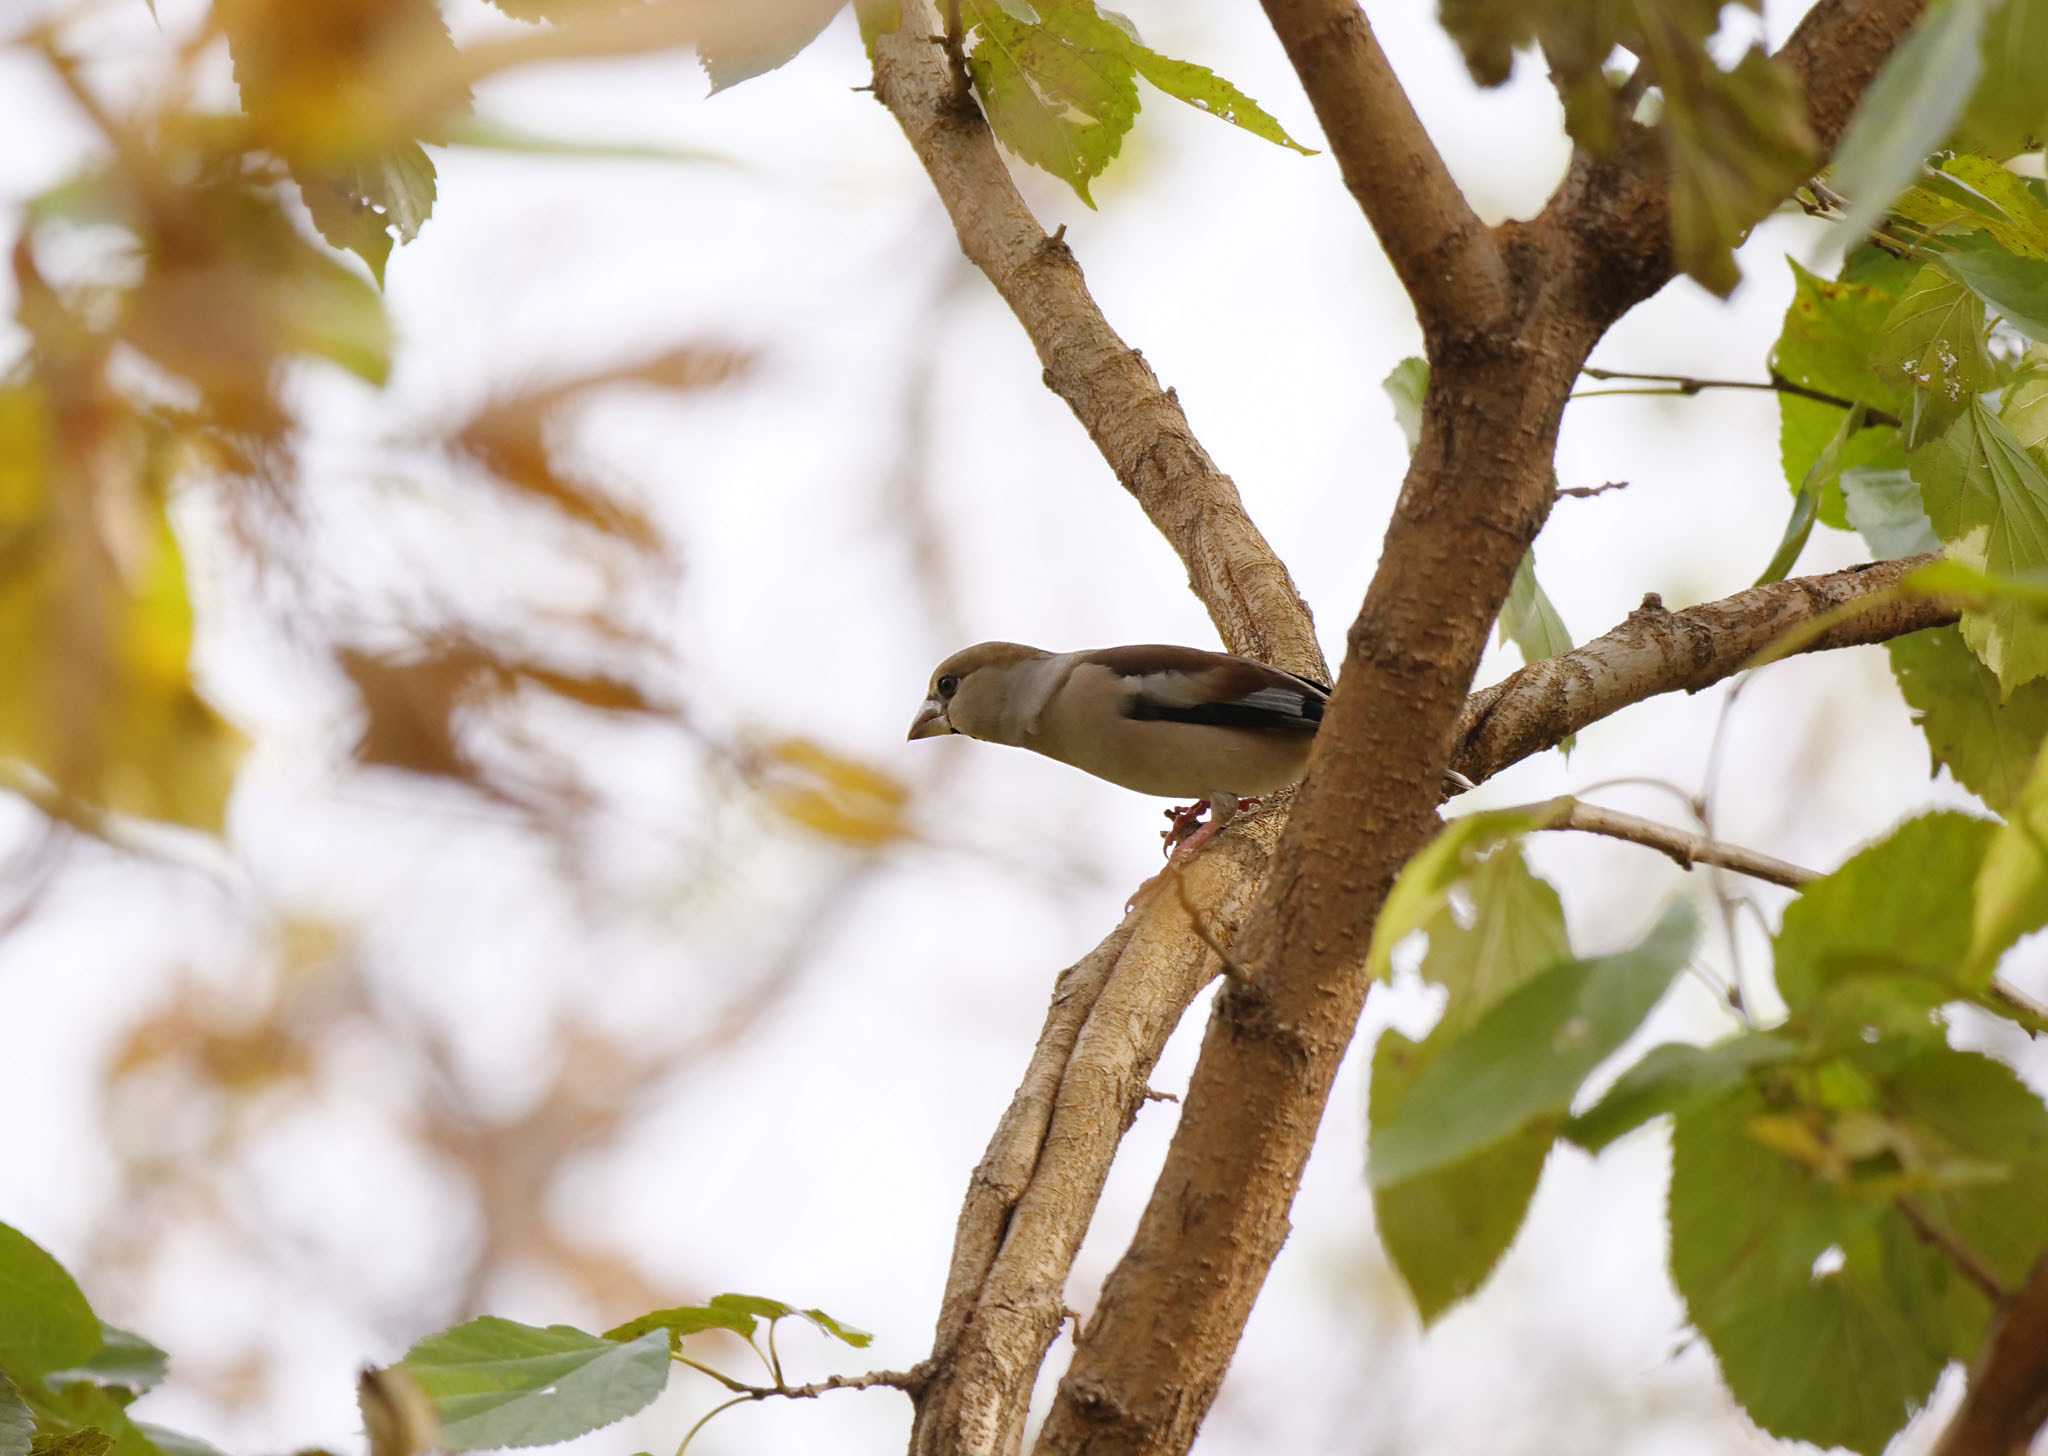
1529, 619
682, 1322
1988, 742
495, 1382
1055, 101
1670, 1078
1988, 500
1824, 1312
1908, 110
1445, 1230
1524, 1059
1932, 343
1902, 904
1425, 881
1204, 90
45, 1323
838, 1329
1883, 505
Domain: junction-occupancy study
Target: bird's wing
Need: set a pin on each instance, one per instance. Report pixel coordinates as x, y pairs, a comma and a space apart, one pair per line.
1188, 685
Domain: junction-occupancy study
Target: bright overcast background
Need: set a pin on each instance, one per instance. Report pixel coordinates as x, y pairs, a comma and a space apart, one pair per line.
836, 1032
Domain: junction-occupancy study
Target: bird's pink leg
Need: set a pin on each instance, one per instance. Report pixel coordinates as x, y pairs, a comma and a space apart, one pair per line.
1184, 817
1183, 839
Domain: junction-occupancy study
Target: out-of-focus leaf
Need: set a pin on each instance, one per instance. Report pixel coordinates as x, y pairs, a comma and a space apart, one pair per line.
2023, 404
1445, 1230
839, 1330
1884, 506
1670, 1078
125, 1365
1529, 619
370, 204
494, 1382
1933, 342
1738, 143
2008, 109
91, 1441
2014, 287
1406, 384
783, 32
176, 1443
1426, 880
487, 135
399, 1419
1526, 1056
1822, 476
833, 796
1976, 1112
1988, 500
1903, 903
45, 1323
1909, 110
2012, 887
1823, 1311
1988, 742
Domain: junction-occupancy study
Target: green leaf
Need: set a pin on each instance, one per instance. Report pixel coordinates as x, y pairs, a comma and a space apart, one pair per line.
45, 1323
1988, 499
1204, 90
1902, 904
1819, 478
1974, 1110
326, 310
1670, 1078
2023, 404
1526, 1056
494, 1382
1908, 110
1406, 384
1884, 506
1933, 342
2008, 110
90, 1441
838, 1329
372, 202
17, 1421
2012, 886
1426, 880
1738, 143
1529, 619
125, 1365
684, 1321
1988, 742
2016, 288
1824, 1312
1446, 1230
1053, 98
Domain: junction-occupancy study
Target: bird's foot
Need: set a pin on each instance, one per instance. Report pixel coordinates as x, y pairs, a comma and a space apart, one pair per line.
1185, 818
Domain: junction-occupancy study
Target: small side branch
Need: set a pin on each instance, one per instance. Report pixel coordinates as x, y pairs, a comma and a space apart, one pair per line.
1683, 846
1688, 385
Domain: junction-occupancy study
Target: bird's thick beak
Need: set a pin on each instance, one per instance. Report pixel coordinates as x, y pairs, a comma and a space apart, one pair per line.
930, 721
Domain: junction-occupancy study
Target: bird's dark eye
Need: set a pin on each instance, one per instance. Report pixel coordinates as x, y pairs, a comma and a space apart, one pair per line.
948, 685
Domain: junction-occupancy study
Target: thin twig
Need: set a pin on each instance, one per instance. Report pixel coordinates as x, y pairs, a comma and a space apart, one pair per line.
1683, 846
1958, 1253
1587, 492
1687, 384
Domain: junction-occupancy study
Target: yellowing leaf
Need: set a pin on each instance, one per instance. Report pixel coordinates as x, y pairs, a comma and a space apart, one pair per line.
833, 796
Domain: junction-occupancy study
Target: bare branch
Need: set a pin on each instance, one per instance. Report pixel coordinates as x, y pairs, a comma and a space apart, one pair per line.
2007, 1400
1659, 651
1447, 260
1035, 1191
1139, 427
1682, 845
1686, 384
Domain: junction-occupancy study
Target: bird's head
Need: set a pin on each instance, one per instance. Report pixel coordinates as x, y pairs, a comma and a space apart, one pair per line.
970, 690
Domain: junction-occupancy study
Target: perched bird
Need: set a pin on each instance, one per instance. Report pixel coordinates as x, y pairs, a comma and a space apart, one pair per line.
1173, 721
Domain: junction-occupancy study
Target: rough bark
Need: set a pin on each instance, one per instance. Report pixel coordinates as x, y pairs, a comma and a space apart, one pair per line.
1510, 314
1658, 651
